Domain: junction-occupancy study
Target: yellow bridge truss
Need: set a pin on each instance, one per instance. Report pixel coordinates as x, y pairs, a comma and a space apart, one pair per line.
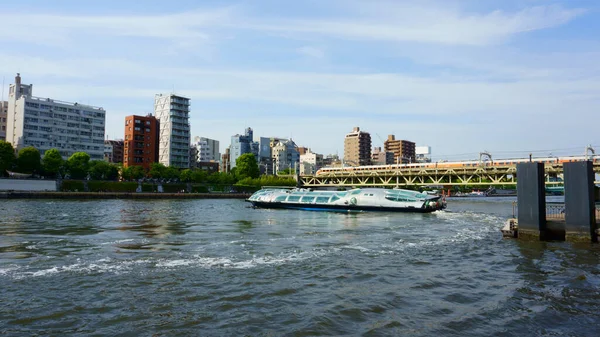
455, 176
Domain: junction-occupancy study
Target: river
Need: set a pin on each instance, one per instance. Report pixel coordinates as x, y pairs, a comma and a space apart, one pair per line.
219, 268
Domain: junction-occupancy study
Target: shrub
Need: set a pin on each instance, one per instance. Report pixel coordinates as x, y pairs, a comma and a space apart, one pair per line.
72, 186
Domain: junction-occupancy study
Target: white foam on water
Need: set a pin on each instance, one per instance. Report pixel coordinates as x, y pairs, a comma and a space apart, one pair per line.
103, 265
359, 248
8, 270
229, 263
116, 242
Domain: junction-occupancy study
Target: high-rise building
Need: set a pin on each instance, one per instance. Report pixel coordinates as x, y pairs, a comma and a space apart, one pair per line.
173, 113
404, 150
3, 114
241, 144
46, 123
357, 148
379, 157
113, 151
141, 141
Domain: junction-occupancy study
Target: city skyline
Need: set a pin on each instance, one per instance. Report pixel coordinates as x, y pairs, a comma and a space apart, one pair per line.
460, 76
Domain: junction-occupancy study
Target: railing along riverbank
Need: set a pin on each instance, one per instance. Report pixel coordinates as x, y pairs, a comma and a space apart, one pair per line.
117, 195
555, 211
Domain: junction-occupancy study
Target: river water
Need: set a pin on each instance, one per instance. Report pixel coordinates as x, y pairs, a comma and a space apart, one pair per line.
220, 268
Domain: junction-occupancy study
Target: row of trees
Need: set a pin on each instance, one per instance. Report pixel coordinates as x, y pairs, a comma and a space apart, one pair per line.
79, 166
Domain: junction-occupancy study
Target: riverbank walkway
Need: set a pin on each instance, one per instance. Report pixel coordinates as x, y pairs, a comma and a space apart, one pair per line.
117, 195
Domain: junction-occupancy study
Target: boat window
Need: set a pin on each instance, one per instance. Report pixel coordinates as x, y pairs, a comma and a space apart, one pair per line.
355, 192
322, 200
307, 198
392, 197
293, 198
280, 198
334, 198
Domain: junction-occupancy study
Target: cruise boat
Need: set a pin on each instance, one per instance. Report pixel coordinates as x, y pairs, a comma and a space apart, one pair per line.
360, 199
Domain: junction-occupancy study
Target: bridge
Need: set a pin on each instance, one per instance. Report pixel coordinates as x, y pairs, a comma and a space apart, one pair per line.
475, 176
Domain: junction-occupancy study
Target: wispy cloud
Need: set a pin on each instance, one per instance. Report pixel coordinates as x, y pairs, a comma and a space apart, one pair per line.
431, 71
63, 29
427, 24
311, 51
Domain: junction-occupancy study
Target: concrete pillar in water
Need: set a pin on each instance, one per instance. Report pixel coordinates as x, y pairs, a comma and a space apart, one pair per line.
580, 208
531, 201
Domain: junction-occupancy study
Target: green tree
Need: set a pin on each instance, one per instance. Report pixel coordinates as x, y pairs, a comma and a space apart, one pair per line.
101, 170
29, 160
126, 173
246, 166
199, 176
137, 172
287, 171
78, 165
221, 178
7, 157
157, 170
171, 173
186, 175
52, 163
113, 172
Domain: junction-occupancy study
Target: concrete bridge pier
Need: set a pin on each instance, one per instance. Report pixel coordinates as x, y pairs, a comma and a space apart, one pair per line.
580, 208
531, 201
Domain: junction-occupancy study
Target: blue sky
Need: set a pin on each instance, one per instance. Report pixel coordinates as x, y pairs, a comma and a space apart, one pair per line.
510, 77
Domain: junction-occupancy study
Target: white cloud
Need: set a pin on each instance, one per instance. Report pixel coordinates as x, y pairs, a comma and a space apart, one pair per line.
434, 24
467, 85
47, 29
311, 51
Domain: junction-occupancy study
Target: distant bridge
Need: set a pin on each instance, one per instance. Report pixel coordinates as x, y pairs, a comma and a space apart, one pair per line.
430, 175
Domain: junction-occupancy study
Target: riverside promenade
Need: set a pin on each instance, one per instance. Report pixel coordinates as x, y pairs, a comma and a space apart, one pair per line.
117, 195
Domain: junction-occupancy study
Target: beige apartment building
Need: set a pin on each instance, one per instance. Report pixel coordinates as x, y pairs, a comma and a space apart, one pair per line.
357, 148
404, 150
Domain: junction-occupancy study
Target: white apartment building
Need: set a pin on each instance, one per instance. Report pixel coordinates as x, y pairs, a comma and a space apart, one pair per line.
3, 114
173, 113
284, 154
310, 162
46, 123
207, 149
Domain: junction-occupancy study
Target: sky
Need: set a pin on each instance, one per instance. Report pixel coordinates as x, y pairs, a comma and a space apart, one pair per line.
510, 77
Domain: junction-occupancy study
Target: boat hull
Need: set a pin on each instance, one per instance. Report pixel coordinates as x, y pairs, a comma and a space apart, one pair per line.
339, 208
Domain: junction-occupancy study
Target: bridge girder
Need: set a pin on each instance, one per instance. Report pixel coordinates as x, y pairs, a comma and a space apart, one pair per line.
461, 176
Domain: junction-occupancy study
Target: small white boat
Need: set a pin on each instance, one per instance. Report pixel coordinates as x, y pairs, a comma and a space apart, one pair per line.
360, 199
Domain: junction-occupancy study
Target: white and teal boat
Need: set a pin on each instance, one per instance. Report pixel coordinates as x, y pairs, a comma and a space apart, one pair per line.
360, 199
